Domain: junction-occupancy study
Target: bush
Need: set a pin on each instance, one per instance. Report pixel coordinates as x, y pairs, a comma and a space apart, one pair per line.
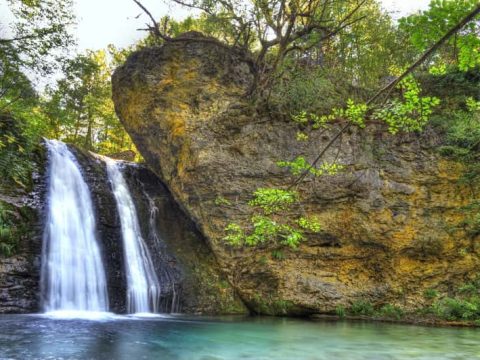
465, 306
391, 311
308, 89
430, 294
468, 289
16, 144
362, 307
271, 222
457, 309
9, 231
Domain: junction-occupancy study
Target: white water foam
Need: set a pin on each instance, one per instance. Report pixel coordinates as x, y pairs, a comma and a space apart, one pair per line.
143, 289
72, 277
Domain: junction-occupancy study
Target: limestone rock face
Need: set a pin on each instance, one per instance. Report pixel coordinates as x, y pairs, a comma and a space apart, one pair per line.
387, 221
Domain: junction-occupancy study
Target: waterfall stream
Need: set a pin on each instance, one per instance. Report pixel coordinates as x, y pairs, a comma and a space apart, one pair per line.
143, 289
72, 275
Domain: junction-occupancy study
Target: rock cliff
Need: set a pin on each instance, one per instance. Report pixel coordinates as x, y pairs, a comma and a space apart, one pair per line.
389, 222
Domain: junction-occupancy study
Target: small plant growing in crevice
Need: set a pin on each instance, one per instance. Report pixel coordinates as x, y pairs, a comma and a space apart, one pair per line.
430, 294
270, 222
278, 255
220, 200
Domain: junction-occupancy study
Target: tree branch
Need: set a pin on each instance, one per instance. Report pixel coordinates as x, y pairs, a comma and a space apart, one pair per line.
155, 29
392, 84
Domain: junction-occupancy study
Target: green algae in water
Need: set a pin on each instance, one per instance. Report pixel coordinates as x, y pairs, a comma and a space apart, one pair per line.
34, 337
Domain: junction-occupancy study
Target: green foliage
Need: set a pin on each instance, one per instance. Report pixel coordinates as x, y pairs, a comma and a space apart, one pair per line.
264, 229
412, 113
7, 240
340, 311
464, 306
468, 289
235, 234
472, 104
302, 89
309, 224
302, 136
426, 27
267, 230
270, 224
278, 255
41, 34
463, 144
430, 294
391, 311
273, 200
220, 200
300, 164
471, 224
11, 228
80, 108
310, 119
457, 309
353, 112
363, 52
18, 138
438, 70
362, 308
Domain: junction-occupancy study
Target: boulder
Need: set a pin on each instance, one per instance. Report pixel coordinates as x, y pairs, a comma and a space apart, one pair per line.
389, 221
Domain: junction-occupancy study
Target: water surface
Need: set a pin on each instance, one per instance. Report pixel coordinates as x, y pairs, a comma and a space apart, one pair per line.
37, 337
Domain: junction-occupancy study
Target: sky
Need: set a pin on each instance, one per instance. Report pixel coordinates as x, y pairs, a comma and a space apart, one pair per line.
103, 22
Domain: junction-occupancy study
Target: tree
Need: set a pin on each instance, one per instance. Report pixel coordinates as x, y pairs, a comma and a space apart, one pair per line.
80, 109
409, 113
425, 28
272, 29
40, 33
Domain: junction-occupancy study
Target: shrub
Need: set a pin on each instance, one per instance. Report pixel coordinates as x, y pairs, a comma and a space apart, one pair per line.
430, 294
457, 309
468, 289
271, 223
308, 89
391, 311
362, 307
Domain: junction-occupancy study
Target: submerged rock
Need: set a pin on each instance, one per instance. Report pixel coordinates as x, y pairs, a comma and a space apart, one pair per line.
387, 222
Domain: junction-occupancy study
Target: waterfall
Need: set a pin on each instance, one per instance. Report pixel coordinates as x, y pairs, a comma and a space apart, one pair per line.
167, 278
72, 274
143, 289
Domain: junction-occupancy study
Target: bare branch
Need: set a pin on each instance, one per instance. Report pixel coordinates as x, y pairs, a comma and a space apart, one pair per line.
155, 29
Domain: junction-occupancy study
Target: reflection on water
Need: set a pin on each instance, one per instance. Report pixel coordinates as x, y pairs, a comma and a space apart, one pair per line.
37, 337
